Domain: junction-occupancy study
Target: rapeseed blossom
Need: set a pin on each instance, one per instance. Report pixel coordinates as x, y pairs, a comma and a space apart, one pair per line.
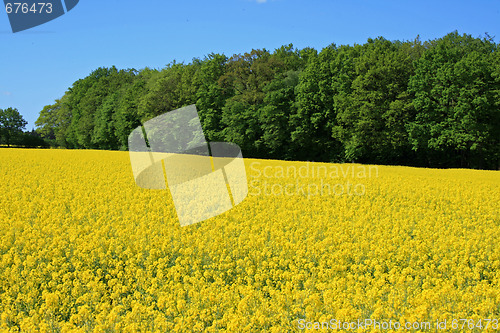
83, 249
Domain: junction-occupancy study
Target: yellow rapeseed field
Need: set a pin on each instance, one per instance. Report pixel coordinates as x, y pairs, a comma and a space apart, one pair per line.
83, 249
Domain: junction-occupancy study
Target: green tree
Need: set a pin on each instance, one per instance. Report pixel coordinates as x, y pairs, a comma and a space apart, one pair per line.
245, 78
12, 125
171, 88
46, 122
104, 130
279, 104
315, 117
210, 95
126, 116
456, 99
53, 122
373, 104
104, 135
30, 139
389, 102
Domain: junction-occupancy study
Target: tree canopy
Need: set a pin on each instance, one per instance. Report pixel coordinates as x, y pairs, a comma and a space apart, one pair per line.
433, 103
12, 124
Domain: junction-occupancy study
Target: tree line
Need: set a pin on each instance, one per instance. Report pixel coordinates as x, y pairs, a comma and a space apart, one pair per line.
433, 104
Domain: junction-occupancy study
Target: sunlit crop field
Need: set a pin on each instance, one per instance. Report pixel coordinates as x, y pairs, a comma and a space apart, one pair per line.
84, 249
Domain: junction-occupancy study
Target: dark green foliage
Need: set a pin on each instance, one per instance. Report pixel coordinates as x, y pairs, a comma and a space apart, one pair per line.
210, 95
315, 117
245, 79
372, 102
279, 105
433, 104
30, 139
456, 101
11, 126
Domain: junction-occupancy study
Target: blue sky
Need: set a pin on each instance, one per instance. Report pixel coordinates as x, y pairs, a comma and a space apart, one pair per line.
40, 64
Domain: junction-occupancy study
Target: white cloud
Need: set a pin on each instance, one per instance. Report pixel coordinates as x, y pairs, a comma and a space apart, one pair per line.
261, 1
6, 93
